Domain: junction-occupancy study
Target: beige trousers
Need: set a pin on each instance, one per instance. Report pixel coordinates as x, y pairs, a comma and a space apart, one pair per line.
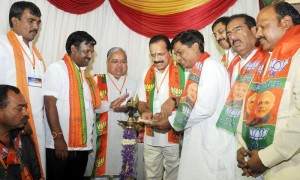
161, 162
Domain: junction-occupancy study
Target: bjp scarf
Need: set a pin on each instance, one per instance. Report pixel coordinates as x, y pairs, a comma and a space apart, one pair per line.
231, 111
13, 156
266, 91
186, 104
101, 130
22, 83
78, 126
176, 85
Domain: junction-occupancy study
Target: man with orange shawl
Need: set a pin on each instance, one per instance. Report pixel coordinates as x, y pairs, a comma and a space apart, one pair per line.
21, 65
161, 82
71, 95
272, 148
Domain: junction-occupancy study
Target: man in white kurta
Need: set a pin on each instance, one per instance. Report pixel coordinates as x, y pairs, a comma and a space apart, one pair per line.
207, 152
119, 89
161, 150
34, 67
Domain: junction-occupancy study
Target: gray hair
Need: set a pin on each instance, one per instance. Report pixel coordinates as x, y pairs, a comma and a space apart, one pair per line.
114, 50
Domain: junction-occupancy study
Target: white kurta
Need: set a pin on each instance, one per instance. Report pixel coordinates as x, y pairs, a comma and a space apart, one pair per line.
208, 152
8, 76
56, 83
159, 139
240, 65
230, 54
115, 131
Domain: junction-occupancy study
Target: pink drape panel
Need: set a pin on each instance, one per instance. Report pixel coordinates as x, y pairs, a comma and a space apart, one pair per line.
77, 6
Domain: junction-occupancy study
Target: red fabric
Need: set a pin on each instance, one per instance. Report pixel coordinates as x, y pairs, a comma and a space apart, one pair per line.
170, 25
77, 6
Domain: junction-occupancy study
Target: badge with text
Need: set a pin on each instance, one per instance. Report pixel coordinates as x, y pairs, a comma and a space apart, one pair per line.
34, 82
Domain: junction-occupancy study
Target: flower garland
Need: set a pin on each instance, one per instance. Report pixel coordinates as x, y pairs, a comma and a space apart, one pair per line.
129, 144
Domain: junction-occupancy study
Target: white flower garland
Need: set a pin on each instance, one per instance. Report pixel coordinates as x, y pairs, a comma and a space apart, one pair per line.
128, 141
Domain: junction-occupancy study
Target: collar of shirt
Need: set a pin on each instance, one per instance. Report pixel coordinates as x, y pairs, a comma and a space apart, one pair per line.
244, 61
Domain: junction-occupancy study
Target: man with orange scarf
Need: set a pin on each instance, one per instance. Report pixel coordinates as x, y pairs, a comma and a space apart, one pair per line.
271, 149
207, 152
162, 81
21, 65
71, 96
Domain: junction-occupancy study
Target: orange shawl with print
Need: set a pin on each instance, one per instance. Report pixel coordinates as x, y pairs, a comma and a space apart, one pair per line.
176, 85
266, 89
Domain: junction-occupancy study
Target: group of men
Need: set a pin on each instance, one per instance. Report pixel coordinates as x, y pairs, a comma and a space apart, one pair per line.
193, 111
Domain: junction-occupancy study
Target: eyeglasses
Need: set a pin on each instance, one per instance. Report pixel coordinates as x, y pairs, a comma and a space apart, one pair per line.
115, 61
158, 54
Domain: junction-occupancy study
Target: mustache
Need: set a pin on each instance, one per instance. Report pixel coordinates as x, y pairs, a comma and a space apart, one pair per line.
25, 117
261, 38
221, 39
156, 62
234, 41
35, 31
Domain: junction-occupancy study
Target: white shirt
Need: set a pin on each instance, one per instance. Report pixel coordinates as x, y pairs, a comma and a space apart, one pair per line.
208, 152
8, 76
56, 84
240, 65
230, 54
160, 97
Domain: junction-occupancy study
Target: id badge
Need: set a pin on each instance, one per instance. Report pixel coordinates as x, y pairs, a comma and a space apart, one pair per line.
34, 82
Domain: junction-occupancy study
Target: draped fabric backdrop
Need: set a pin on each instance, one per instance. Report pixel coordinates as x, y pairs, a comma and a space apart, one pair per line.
103, 23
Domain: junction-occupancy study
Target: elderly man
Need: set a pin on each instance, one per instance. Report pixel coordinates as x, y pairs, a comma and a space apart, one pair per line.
166, 82
21, 65
241, 30
207, 152
273, 148
18, 159
71, 95
115, 87
219, 31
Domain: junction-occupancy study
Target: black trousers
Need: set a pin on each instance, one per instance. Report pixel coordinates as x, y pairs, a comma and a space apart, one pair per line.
72, 168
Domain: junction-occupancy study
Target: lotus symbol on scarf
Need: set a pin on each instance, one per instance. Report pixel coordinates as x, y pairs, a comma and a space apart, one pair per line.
102, 93
232, 112
251, 66
277, 66
176, 91
149, 87
258, 133
260, 69
101, 126
99, 162
198, 65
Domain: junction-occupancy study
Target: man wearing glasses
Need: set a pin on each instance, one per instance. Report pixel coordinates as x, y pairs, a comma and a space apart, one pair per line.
115, 88
162, 82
